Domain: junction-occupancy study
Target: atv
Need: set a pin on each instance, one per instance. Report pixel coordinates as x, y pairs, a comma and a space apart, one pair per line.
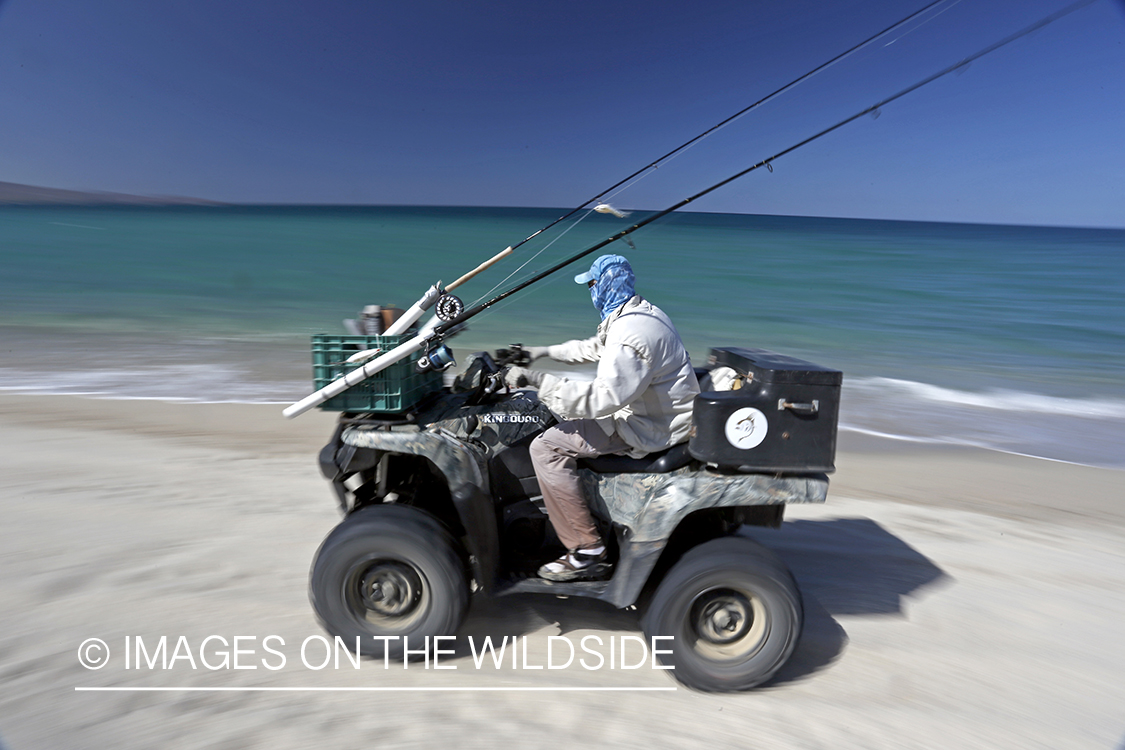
440, 501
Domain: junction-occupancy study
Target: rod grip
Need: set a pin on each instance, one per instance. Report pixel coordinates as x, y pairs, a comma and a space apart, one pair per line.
488, 263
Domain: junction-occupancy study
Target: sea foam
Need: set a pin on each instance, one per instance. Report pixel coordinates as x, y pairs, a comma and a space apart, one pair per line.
998, 399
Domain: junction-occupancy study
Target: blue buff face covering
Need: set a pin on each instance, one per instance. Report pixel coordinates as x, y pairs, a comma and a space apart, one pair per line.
614, 287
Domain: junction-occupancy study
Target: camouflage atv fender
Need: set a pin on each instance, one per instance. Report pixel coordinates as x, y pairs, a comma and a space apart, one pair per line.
649, 507
462, 464
454, 458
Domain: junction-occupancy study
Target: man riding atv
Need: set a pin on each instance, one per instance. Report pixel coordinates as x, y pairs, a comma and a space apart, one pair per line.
640, 402
449, 491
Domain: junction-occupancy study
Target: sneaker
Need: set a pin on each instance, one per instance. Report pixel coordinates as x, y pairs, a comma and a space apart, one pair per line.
585, 564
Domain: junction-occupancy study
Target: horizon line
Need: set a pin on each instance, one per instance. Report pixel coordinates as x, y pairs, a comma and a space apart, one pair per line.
174, 202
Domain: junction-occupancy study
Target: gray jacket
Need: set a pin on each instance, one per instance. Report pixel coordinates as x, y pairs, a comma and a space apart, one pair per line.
645, 382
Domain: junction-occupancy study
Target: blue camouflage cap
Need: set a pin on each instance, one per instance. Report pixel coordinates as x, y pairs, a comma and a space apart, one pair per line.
614, 287
600, 265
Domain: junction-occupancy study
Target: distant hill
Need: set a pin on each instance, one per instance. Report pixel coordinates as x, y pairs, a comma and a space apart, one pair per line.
12, 193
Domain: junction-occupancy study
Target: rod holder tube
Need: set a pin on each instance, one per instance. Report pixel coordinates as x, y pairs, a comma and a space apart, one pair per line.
357, 375
411, 316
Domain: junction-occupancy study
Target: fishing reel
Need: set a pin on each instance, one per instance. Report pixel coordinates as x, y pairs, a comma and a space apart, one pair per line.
438, 357
448, 307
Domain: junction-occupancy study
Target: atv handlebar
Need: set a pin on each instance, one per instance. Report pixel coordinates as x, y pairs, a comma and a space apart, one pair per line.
515, 354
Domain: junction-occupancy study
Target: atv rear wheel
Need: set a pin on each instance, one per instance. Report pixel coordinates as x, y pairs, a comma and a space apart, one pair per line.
389, 570
734, 611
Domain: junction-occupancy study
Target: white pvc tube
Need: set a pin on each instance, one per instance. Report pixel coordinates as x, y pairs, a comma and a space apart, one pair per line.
409, 318
357, 375
415, 312
360, 374
429, 327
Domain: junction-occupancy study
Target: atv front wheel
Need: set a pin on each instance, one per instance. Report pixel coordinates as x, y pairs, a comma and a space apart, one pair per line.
734, 611
389, 570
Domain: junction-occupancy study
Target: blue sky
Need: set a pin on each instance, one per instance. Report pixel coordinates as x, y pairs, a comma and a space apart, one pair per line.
545, 104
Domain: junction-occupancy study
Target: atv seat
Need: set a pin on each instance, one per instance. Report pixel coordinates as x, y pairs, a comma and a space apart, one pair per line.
660, 462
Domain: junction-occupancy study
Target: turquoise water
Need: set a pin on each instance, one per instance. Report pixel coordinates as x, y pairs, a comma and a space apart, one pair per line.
1008, 337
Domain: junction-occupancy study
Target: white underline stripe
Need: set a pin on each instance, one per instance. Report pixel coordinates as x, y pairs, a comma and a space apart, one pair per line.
367, 689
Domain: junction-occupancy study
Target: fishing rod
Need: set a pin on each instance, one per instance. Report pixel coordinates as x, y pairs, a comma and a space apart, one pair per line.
431, 335
686, 144
450, 307
440, 329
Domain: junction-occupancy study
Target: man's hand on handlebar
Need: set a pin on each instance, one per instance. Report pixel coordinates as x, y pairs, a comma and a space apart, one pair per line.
521, 377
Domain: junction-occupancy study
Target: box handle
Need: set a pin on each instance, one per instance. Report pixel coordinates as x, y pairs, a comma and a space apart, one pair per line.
810, 408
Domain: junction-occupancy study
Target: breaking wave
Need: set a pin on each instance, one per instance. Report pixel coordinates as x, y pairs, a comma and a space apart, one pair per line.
200, 383
997, 399
1087, 431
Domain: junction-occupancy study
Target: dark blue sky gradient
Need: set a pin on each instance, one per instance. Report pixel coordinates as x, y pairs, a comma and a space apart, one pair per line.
545, 104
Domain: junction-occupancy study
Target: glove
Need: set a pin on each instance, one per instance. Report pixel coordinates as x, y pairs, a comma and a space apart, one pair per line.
521, 377
535, 352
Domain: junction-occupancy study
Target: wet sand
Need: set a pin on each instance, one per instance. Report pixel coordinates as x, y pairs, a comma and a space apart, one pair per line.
954, 598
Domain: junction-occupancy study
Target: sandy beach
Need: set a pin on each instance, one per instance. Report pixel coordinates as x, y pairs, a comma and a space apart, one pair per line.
954, 598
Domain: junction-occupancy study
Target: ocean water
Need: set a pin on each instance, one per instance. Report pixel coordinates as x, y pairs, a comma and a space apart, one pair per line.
1010, 338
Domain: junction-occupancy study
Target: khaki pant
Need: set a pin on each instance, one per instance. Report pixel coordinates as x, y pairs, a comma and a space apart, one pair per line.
555, 454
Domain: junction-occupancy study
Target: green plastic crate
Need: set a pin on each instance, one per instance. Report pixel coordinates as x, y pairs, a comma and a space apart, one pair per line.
392, 390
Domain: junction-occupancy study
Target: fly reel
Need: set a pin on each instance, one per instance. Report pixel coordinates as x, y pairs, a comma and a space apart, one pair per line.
448, 307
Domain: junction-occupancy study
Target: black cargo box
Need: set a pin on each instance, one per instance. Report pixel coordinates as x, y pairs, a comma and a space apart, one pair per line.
782, 419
